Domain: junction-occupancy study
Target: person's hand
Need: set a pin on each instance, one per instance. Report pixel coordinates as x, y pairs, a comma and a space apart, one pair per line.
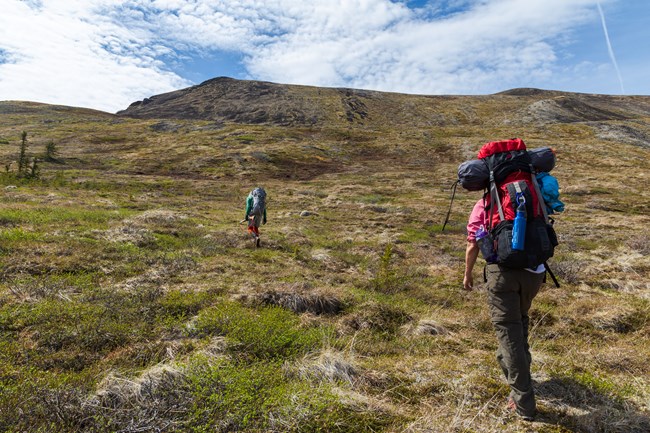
468, 282
264, 222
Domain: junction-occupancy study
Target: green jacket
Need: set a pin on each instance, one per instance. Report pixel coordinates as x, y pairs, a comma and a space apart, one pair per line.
249, 208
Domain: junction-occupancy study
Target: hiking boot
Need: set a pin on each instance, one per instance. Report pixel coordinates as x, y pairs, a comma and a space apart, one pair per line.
512, 407
257, 242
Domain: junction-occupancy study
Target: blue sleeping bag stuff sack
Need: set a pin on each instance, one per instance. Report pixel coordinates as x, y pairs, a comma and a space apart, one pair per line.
551, 192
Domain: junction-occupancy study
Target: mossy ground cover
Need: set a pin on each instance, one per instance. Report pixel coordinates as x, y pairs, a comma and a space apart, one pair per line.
131, 299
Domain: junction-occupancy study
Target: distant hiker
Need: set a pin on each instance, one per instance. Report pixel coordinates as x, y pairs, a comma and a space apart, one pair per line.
515, 267
255, 212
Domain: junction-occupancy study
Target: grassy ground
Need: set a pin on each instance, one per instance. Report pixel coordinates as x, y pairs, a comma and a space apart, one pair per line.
132, 300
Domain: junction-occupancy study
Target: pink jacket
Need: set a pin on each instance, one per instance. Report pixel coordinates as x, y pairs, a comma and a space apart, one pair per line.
477, 218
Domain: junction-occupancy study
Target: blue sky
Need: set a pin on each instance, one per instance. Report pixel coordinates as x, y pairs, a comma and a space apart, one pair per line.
105, 54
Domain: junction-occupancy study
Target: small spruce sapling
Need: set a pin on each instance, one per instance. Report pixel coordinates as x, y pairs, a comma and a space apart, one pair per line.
22, 157
51, 151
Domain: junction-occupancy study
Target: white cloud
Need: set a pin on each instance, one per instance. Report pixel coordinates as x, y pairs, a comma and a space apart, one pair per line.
108, 53
63, 53
493, 44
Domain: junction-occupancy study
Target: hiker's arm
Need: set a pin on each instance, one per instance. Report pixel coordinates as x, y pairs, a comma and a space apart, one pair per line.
471, 254
249, 205
264, 220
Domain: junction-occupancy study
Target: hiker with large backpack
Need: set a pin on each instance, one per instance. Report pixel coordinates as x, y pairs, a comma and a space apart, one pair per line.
510, 226
255, 212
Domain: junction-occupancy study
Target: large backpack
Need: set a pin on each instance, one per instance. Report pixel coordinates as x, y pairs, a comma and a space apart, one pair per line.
259, 201
512, 175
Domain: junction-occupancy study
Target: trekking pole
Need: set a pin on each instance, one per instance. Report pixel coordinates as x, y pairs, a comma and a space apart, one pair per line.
453, 194
245, 220
548, 269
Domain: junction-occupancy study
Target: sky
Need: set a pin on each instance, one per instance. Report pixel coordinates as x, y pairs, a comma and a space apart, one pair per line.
106, 54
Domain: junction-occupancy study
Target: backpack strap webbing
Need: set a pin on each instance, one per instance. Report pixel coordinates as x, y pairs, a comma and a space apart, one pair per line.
548, 269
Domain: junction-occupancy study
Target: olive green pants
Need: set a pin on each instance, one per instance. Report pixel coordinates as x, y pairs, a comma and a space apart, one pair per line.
510, 294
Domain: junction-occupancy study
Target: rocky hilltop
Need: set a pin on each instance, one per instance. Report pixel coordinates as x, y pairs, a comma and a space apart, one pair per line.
255, 102
226, 99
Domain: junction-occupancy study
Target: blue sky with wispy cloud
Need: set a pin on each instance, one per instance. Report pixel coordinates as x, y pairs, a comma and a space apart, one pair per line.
106, 54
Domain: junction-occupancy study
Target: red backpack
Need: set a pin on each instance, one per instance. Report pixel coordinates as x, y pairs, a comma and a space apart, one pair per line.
512, 176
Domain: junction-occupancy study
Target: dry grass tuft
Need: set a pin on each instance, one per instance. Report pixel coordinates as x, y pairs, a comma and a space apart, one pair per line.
159, 216
376, 317
640, 244
616, 319
639, 288
215, 349
130, 233
159, 274
147, 403
329, 366
302, 303
227, 239
568, 271
116, 391
425, 327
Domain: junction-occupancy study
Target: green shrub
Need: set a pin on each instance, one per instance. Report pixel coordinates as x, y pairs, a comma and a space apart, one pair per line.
271, 332
60, 325
183, 304
259, 397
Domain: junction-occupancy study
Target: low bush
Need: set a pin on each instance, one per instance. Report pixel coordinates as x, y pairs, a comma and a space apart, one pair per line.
268, 333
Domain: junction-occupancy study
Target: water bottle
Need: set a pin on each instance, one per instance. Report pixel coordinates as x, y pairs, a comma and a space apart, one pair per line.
519, 226
486, 245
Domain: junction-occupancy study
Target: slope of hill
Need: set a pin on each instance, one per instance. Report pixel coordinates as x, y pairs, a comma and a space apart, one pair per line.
131, 299
255, 102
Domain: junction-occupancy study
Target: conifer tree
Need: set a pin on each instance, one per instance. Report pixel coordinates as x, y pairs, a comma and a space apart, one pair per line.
22, 158
51, 151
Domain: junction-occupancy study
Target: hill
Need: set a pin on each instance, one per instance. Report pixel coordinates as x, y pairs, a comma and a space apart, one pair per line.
255, 102
131, 299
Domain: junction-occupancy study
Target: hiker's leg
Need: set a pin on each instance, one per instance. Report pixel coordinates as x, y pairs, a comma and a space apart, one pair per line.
500, 360
524, 323
256, 224
253, 226
505, 312
530, 285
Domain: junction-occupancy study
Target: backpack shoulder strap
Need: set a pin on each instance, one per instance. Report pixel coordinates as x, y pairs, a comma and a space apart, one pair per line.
494, 199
